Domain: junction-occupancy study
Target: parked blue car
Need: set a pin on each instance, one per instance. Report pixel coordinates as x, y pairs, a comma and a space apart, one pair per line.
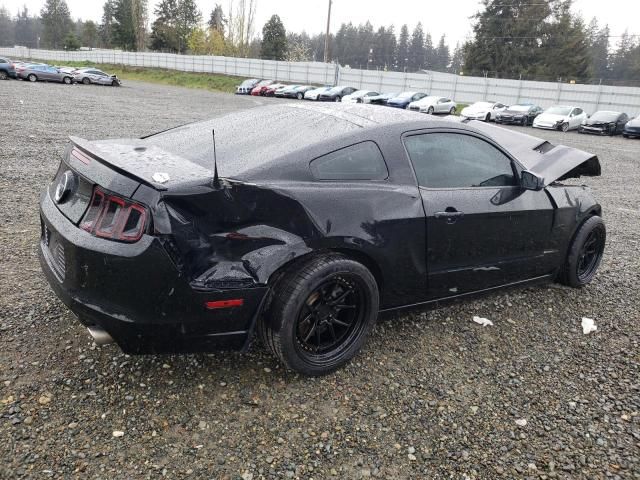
7, 69
404, 99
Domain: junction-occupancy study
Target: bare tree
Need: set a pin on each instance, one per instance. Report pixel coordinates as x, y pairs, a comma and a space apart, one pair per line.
241, 25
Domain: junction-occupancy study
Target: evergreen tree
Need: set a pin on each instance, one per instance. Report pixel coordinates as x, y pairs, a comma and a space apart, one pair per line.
622, 62
274, 39
6, 28
71, 42
187, 20
106, 27
430, 59
89, 34
164, 34
598, 49
457, 59
402, 54
27, 29
566, 51
442, 56
56, 19
217, 21
124, 28
416, 49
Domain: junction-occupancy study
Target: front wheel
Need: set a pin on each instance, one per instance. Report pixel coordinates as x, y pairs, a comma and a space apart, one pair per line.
32, 78
338, 99
3, 75
67, 80
524, 122
564, 127
585, 253
452, 111
300, 96
115, 83
430, 110
321, 314
86, 81
487, 118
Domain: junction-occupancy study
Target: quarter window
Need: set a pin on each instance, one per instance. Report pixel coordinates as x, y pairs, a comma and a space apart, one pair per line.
362, 161
454, 160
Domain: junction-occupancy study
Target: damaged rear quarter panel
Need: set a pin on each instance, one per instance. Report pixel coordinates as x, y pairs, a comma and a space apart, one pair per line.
238, 236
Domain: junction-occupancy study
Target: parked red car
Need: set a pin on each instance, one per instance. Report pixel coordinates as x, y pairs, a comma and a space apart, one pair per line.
260, 87
271, 89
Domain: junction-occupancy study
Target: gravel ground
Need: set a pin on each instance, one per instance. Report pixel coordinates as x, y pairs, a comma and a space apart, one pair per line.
431, 396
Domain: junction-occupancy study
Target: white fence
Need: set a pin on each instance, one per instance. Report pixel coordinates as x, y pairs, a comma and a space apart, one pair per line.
461, 88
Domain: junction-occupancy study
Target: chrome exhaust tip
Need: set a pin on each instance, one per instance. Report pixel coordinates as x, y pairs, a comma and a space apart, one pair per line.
100, 336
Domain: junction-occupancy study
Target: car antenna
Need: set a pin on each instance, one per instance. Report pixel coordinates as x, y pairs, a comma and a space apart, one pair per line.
216, 179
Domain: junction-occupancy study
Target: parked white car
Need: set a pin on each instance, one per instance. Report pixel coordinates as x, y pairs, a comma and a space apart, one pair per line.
561, 117
433, 104
358, 96
485, 111
314, 94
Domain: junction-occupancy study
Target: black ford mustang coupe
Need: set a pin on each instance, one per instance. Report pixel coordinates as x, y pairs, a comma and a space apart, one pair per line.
306, 238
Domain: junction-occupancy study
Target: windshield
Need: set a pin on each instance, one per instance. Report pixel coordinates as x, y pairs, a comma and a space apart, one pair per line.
605, 116
482, 105
246, 83
564, 111
520, 108
406, 95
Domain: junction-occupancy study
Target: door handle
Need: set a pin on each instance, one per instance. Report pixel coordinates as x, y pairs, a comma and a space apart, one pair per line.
451, 215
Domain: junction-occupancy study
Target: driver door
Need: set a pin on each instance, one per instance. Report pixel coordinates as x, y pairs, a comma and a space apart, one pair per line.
483, 230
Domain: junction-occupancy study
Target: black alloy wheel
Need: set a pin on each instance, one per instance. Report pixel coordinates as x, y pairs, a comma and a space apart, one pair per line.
524, 121
585, 253
321, 313
487, 118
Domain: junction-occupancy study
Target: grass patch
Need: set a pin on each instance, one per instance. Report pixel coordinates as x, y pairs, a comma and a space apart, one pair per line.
206, 81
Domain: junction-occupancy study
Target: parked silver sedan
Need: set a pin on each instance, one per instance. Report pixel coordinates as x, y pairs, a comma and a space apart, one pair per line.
45, 73
93, 75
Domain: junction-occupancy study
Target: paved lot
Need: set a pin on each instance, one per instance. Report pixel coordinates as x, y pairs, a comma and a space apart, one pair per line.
431, 396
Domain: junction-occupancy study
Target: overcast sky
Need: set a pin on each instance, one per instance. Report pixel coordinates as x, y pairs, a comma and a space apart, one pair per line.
450, 17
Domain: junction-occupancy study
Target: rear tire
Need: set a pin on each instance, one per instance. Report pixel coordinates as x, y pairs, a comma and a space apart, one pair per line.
32, 78
452, 111
3, 75
321, 313
585, 253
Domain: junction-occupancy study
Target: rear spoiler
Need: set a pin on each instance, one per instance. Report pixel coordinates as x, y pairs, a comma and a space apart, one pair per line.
145, 163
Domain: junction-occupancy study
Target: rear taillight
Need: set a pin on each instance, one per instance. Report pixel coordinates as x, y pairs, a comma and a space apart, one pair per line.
113, 217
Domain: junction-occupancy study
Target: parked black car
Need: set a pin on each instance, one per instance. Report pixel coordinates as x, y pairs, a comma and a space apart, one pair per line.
336, 94
305, 238
380, 99
7, 69
521, 114
632, 128
605, 123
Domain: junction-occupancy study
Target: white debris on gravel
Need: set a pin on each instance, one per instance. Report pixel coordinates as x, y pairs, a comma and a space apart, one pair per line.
588, 325
485, 322
521, 422
118, 433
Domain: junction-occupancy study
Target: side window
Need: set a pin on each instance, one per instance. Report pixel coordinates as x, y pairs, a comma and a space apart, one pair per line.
2, 60
578, 111
362, 161
454, 160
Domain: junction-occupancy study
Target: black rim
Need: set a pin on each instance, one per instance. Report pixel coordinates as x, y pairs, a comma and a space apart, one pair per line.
590, 254
331, 318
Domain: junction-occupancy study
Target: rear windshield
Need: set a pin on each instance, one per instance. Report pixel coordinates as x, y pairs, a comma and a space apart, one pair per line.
520, 108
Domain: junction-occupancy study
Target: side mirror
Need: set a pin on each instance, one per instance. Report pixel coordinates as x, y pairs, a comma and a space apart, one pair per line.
530, 181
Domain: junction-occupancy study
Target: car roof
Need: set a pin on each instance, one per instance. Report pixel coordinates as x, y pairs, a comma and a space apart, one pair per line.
240, 155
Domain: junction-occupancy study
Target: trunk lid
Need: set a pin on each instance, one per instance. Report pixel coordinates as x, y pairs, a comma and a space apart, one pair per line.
550, 162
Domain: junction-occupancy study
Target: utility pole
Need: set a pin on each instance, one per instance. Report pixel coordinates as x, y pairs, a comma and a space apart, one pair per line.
326, 36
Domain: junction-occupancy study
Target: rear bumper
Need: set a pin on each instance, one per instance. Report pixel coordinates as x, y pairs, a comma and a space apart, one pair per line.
136, 293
